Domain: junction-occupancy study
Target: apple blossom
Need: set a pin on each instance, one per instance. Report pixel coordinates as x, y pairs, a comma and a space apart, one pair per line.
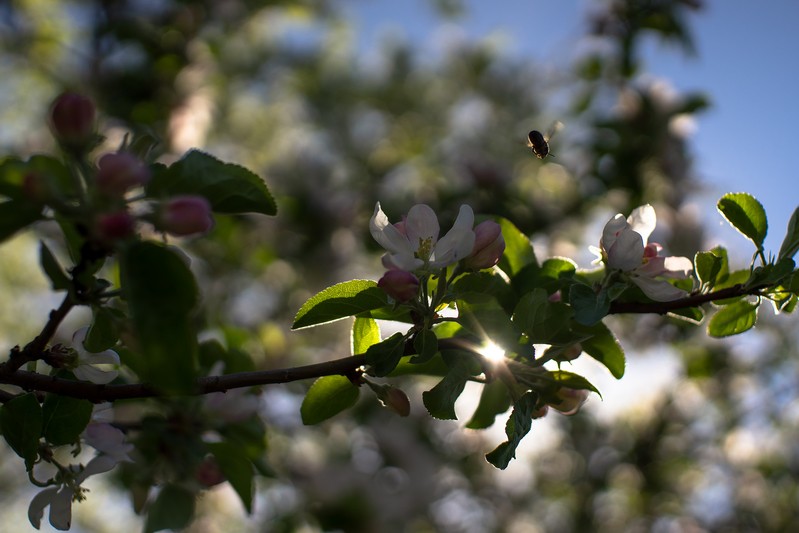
624, 247
59, 499
85, 368
488, 246
414, 245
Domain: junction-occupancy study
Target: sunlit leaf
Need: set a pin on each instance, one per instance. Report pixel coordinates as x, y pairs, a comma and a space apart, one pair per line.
791, 242
746, 215
733, 319
327, 397
707, 266
339, 301
365, 333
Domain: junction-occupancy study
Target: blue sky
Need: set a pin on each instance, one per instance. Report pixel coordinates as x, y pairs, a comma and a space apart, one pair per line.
745, 62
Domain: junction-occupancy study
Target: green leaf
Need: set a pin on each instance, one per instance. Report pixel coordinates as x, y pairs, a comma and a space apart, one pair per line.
211, 352
552, 275
791, 242
16, 215
230, 188
327, 397
494, 399
707, 266
518, 249
339, 301
746, 215
103, 332
384, 356
426, 345
172, 509
64, 418
603, 346
693, 315
518, 425
542, 320
162, 295
572, 380
21, 423
236, 467
772, 274
733, 319
440, 400
589, 307
58, 279
482, 315
365, 333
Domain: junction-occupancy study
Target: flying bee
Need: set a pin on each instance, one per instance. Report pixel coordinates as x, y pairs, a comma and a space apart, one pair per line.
539, 143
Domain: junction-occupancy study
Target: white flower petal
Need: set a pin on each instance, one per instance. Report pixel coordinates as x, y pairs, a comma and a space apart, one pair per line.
94, 374
387, 235
406, 262
458, 242
643, 220
37, 505
421, 224
98, 465
677, 267
611, 230
658, 290
627, 252
107, 357
61, 509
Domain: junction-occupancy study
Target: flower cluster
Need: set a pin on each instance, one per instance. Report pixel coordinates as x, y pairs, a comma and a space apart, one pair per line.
414, 248
624, 247
66, 486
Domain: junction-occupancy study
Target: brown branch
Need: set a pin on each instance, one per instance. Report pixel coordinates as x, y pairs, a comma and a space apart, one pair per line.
205, 385
35, 348
694, 300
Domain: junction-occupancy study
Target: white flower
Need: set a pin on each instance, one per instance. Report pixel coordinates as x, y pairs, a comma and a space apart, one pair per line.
624, 247
60, 501
107, 440
86, 369
413, 244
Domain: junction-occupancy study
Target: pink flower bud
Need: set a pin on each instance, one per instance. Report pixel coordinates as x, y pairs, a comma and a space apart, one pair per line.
570, 400
209, 473
186, 215
112, 227
72, 120
400, 285
396, 400
119, 172
488, 246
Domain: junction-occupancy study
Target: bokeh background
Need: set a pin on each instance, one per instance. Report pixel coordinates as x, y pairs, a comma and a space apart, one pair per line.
339, 104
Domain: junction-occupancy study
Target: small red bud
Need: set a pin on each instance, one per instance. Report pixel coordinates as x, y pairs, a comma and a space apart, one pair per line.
119, 172
208, 473
186, 215
113, 227
396, 400
400, 285
72, 118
